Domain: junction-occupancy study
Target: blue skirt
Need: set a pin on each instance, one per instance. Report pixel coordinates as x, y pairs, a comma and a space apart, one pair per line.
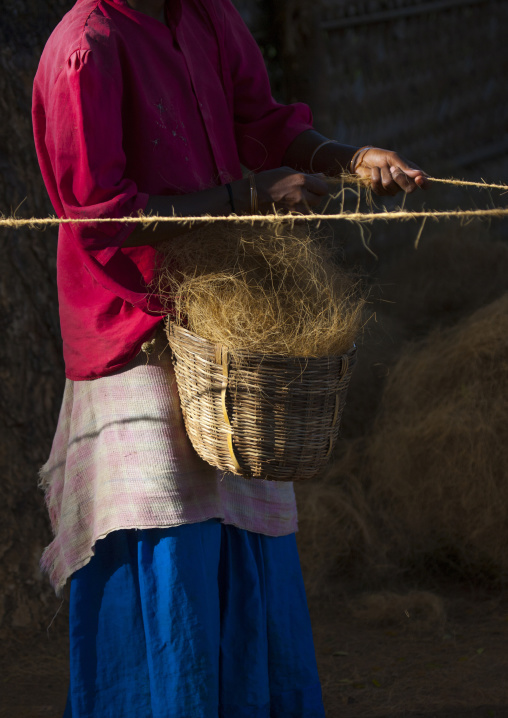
197, 621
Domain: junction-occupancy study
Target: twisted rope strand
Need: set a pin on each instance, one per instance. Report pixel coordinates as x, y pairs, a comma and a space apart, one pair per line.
466, 183
358, 217
355, 179
363, 217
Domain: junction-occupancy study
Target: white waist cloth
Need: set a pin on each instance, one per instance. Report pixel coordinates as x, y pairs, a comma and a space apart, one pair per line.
121, 460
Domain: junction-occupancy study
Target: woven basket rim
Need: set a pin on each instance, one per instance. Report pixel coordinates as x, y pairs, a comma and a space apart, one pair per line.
244, 354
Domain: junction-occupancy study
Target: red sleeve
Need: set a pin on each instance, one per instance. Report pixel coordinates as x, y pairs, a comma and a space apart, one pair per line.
84, 143
264, 129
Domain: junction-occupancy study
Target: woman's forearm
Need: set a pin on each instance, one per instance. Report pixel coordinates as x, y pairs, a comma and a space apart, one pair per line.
284, 189
308, 153
331, 159
213, 201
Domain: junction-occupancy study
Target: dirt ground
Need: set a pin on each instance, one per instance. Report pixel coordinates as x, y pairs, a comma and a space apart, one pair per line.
407, 666
409, 662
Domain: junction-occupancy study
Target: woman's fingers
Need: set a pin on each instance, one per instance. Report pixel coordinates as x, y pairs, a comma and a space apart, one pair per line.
389, 181
376, 181
308, 200
317, 185
390, 186
289, 190
423, 181
389, 173
409, 171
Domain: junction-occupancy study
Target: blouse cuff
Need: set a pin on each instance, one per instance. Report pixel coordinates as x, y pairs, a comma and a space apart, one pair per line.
104, 255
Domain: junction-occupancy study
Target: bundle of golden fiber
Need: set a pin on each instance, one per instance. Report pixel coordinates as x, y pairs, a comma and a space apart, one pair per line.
267, 289
437, 461
427, 486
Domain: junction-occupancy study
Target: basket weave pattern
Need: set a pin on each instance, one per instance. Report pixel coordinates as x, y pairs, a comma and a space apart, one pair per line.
259, 416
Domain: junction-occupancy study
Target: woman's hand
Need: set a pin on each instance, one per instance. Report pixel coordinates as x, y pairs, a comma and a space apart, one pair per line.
285, 189
388, 173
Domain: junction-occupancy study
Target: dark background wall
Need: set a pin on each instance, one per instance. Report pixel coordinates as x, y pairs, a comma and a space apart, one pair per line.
426, 78
30, 354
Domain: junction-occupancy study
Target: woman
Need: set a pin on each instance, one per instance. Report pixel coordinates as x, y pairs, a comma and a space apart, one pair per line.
186, 593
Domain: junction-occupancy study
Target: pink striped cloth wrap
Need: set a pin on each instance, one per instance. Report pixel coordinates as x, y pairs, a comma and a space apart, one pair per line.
121, 459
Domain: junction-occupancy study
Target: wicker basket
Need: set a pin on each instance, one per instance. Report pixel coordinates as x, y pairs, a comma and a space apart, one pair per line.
259, 416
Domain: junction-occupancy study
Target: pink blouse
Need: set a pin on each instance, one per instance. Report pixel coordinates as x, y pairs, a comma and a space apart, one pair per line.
125, 107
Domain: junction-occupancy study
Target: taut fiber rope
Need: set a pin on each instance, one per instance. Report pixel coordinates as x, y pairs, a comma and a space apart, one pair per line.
400, 215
